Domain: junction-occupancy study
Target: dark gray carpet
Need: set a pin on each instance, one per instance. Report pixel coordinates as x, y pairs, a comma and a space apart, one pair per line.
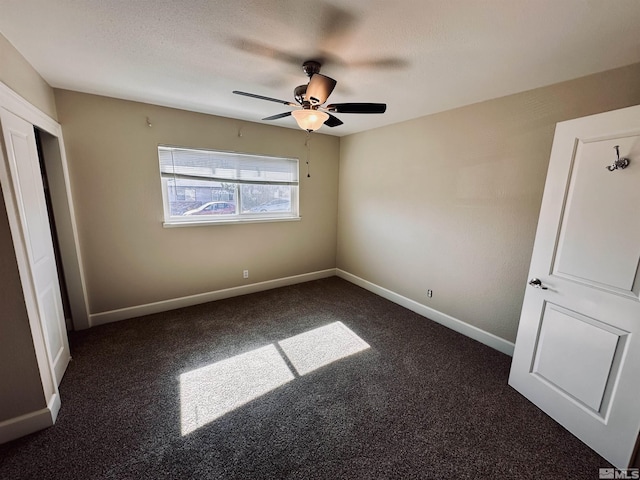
422, 402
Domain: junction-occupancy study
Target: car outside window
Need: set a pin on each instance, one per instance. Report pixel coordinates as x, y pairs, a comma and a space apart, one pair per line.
206, 186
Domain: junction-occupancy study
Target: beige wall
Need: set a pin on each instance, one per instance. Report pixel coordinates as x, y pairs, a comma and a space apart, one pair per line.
450, 202
19, 377
129, 258
21, 77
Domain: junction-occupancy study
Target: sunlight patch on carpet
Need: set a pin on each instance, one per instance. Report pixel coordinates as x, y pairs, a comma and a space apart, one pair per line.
322, 346
210, 392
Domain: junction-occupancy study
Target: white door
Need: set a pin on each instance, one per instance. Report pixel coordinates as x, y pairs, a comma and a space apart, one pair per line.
577, 354
24, 167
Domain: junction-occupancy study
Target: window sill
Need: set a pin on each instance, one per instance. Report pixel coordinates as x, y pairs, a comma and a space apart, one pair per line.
237, 221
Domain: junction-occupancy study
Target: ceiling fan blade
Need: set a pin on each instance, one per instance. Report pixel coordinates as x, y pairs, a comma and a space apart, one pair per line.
335, 26
273, 53
319, 88
357, 107
332, 121
265, 50
388, 63
275, 117
260, 97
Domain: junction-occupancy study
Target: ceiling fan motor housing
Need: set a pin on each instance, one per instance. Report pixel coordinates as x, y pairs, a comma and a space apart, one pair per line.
311, 67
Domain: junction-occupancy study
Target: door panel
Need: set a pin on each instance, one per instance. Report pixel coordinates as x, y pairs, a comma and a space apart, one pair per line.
55, 333
601, 216
23, 163
577, 354
36, 220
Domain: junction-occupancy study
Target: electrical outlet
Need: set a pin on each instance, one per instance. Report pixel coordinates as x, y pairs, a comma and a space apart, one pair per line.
429, 293
245, 274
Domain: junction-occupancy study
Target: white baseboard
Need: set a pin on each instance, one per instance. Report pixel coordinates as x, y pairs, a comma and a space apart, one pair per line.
459, 326
30, 422
173, 303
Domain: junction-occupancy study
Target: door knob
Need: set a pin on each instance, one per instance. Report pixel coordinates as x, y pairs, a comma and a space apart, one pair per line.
536, 283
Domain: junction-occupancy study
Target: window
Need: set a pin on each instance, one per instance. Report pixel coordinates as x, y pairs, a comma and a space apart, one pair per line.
207, 186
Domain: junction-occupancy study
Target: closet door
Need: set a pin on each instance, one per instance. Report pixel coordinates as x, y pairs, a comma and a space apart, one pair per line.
25, 181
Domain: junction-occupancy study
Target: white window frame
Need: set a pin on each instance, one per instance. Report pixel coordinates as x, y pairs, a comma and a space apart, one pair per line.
239, 217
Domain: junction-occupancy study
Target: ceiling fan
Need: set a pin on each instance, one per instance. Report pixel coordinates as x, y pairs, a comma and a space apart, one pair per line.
310, 113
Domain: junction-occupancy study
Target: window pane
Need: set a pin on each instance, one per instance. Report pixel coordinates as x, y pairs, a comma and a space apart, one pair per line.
265, 198
200, 198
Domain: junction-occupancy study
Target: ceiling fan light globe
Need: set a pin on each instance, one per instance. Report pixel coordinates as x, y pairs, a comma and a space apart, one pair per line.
310, 120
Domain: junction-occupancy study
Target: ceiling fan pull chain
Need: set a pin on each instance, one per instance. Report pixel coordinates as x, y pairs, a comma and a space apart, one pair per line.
308, 145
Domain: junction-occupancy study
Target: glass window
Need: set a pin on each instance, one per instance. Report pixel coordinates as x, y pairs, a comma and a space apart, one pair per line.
214, 187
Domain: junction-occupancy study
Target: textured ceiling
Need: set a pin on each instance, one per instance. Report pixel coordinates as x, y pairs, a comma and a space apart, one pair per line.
418, 56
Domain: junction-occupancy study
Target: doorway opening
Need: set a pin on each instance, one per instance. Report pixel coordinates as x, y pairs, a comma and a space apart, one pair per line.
45, 142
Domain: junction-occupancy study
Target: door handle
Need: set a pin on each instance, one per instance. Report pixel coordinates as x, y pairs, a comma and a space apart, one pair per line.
536, 283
